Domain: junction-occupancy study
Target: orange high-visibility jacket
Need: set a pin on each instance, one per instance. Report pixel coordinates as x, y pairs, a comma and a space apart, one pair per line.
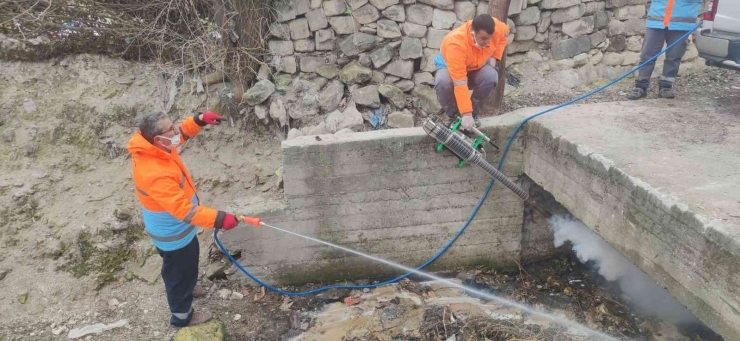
460, 55
170, 205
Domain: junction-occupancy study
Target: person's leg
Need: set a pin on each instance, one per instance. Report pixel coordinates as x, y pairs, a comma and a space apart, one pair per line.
482, 81
672, 62
652, 44
180, 274
446, 93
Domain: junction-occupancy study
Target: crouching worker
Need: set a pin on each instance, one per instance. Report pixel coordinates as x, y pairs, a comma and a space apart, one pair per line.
468, 59
171, 208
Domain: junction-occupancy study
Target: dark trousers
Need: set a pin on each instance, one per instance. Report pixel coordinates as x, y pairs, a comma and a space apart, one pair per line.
654, 40
180, 274
481, 81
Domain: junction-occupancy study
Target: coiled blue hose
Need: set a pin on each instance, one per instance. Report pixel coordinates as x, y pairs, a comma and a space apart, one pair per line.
475, 210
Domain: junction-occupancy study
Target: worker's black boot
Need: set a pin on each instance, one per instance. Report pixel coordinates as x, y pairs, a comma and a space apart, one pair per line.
637, 93
666, 92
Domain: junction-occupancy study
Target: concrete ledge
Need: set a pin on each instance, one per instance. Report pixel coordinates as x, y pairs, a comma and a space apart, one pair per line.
691, 255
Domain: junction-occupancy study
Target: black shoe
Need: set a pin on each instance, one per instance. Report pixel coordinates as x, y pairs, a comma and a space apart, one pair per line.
666, 93
637, 93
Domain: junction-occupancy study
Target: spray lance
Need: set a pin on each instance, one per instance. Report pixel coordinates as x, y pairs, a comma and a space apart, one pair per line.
459, 144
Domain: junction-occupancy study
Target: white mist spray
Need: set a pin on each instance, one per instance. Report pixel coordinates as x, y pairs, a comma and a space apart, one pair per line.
645, 294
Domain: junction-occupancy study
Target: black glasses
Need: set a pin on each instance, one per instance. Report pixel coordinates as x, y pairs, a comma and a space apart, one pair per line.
168, 130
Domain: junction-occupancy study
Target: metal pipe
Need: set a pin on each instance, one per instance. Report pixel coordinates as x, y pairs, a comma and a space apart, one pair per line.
461, 148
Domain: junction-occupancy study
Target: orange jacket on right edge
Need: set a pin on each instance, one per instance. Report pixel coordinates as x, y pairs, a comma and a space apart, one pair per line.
459, 55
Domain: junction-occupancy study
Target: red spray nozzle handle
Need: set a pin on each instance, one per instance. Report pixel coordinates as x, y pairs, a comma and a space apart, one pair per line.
255, 221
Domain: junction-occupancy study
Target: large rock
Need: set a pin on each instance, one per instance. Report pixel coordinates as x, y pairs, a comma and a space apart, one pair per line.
465, 10
302, 99
381, 56
529, 16
279, 30
521, 46
544, 23
357, 43
395, 13
316, 20
294, 133
634, 43
612, 59
616, 27
263, 113
278, 112
388, 29
405, 85
570, 48
515, 7
420, 14
304, 45
344, 24
400, 68
597, 38
601, 19
422, 78
441, 4
285, 10
541, 37
383, 4
355, 4
280, 47
622, 3
525, 32
443, 19
427, 61
413, 30
302, 7
393, 94
554, 4
285, 64
482, 8
312, 63
355, 73
580, 60
630, 58
259, 92
323, 36
428, 99
568, 14
299, 29
629, 12
366, 14
367, 96
334, 7
319, 129
378, 77
350, 118
594, 6
213, 330
331, 96
328, 71
411, 48
580, 27
435, 36
617, 43
401, 119
634, 27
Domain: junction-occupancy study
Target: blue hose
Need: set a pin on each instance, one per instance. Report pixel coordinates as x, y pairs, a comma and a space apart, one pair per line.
475, 210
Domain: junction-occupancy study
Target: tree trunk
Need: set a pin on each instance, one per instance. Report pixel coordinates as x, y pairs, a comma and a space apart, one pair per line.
499, 9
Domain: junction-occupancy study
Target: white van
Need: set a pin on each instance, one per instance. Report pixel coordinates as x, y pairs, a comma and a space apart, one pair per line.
718, 40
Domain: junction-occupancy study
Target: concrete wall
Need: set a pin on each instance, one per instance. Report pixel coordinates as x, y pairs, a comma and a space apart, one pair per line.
694, 259
388, 193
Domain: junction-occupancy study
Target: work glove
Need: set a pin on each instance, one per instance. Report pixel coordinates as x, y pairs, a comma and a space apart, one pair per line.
208, 117
229, 222
467, 122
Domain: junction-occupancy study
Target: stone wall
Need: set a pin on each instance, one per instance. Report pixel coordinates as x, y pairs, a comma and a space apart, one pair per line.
337, 64
390, 194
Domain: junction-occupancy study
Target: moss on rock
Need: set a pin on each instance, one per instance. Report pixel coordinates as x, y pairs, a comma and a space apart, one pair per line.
213, 330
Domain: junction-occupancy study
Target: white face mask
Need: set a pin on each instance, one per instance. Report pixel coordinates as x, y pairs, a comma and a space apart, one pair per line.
174, 141
475, 41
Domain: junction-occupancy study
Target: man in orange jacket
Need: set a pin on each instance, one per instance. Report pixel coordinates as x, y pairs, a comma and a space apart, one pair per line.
468, 59
171, 208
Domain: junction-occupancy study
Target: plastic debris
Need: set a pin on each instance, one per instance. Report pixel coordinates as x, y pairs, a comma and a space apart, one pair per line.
352, 300
95, 329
